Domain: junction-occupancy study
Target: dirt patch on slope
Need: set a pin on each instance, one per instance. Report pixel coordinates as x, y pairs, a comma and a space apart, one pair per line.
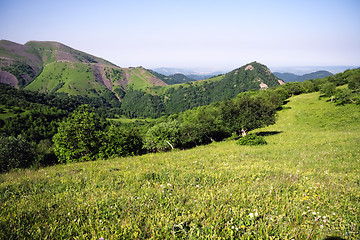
99, 75
22, 52
65, 56
263, 86
8, 78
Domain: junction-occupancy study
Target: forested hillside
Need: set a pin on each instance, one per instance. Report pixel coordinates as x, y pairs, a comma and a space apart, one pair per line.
51, 67
304, 184
53, 128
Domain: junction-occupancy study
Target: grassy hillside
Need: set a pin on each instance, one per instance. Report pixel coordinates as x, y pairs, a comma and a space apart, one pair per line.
303, 185
73, 78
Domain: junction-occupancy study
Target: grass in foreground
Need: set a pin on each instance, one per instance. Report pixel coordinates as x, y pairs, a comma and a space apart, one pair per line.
305, 184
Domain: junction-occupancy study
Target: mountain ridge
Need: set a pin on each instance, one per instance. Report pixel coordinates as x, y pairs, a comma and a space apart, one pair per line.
29, 62
58, 68
291, 77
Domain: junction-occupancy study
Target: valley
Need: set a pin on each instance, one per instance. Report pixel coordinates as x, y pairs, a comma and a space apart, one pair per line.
90, 149
303, 184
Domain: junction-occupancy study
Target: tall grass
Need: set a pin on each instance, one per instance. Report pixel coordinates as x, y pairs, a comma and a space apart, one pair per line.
304, 184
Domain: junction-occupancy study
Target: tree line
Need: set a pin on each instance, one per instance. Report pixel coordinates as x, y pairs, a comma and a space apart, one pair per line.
47, 129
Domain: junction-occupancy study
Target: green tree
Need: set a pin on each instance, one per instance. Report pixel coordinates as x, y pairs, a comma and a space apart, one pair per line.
246, 113
15, 152
309, 86
343, 96
163, 136
79, 137
328, 89
354, 83
121, 141
201, 125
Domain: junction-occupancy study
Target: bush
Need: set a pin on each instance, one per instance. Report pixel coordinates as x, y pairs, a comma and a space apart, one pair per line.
163, 136
79, 137
252, 140
120, 141
15, 152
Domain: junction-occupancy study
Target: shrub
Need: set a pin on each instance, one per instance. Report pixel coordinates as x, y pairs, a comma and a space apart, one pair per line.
15, 152
120, 141
162, 136
79, 137
252, 140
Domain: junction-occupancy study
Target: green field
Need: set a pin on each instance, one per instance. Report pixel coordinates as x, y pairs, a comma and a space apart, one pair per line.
304, 184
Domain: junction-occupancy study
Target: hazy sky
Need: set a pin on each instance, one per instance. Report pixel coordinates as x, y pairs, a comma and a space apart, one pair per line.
220, 34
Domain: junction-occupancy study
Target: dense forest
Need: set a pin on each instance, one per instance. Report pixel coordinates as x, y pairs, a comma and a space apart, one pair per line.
194, 94
38, 129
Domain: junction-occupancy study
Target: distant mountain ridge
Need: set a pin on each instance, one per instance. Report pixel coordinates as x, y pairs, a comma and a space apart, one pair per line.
176, 78
190, 73
52, 67
291, 77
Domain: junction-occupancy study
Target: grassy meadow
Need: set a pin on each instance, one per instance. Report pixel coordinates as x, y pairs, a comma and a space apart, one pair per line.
304, 184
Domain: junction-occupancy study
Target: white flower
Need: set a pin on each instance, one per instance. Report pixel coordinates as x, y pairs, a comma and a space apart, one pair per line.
256, 214
251, 215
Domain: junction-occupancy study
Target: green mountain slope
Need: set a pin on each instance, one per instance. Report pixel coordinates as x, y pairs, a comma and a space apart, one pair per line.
55, 67
303, 185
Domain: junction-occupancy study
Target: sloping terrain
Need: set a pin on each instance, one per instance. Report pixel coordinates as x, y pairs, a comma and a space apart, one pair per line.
55, 67
303, 185
52, 67
19, 64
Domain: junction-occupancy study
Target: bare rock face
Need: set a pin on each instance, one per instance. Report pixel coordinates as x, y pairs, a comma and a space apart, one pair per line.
249, 67
8, 78
281, 82
263, 86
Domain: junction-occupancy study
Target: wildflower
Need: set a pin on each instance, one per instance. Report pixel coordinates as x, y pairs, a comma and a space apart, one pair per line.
251, 215
256, 214
197, 185
242, 226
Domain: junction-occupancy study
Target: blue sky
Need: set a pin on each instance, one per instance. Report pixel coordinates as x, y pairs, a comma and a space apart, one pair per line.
193, 34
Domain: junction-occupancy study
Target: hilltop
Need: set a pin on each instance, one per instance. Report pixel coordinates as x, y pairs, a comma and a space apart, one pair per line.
52, 67
291, 77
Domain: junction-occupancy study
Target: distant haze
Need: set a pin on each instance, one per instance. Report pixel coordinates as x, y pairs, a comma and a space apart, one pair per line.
310, 69
218, 35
